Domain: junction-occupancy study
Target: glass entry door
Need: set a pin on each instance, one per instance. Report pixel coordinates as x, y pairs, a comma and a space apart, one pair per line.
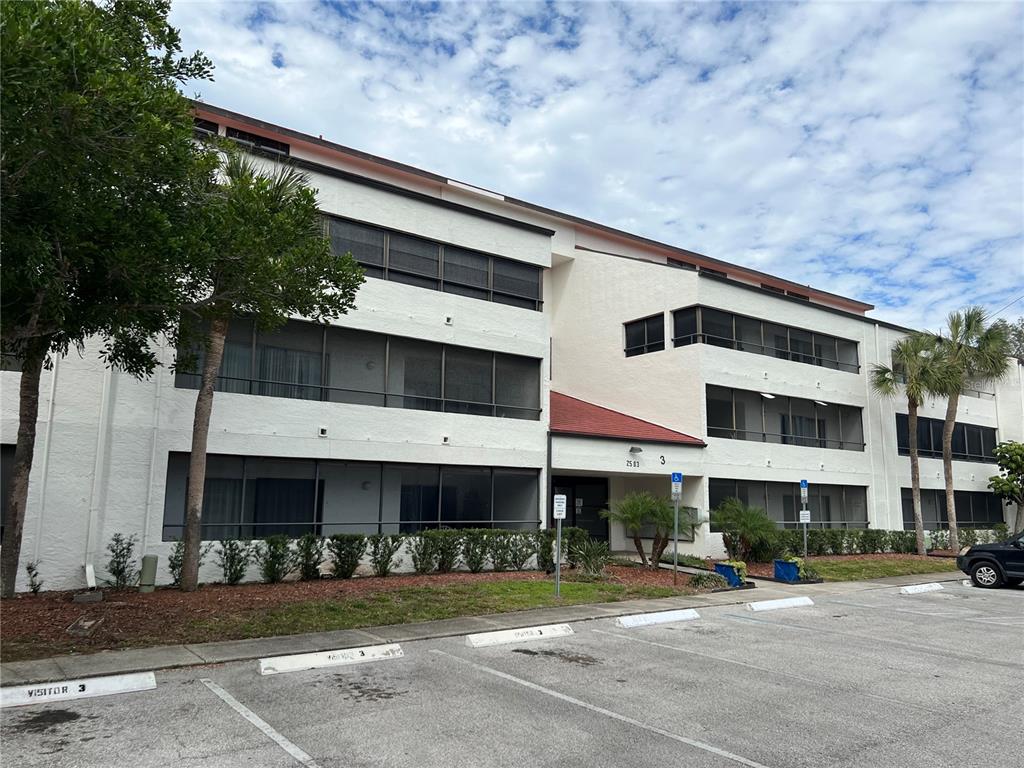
585, 498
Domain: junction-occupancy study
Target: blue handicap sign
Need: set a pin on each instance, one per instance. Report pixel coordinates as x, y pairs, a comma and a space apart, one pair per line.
803, 483
677, 477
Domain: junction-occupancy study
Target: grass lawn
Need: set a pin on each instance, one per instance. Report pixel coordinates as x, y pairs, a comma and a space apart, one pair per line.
854, 568
413, 604
35, 627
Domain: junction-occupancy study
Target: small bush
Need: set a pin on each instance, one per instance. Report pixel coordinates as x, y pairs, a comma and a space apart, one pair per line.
968, 537
274, 558
346, 550
903, 542
382, 553
447, 546
233, 559
34, 582
873, 541
743, 528
835, 539
854, 542
1000, 531
122, 566
176, 560
939, 540
817, 542
475, 548
767, 547
572, 539
423, 550
510, 550
592, 557
544, 549
309, 552
708, 580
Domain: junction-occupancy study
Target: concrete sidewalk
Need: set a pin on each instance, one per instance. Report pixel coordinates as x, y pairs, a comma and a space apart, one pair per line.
172, 656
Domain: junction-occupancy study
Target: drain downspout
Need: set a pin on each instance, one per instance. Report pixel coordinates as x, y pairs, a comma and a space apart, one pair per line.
98, 479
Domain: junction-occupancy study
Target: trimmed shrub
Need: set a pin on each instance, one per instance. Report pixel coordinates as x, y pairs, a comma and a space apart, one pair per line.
1000, 531
767, 547
423, 551
708, 580
903, 542
121, 565
510, 550
475, 548
233, 559
382, 553
968, 537
835, 539
447, 546
572, 539
176, 560
939, 539
817, 542
309, 552
544, 549
274, 558
346, 550
743, 528
592, 556
873, 541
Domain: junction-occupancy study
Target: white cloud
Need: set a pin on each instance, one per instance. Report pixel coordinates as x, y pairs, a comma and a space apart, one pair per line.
871, 149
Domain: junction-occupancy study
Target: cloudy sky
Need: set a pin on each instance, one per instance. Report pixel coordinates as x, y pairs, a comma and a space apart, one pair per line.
874, 150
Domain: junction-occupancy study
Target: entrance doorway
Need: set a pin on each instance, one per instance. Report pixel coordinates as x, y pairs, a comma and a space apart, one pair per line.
585, 497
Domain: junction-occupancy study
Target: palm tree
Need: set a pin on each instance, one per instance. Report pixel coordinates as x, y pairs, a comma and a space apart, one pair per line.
920, 372
975, 353
640, 509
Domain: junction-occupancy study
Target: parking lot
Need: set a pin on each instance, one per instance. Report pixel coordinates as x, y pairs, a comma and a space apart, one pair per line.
866, 678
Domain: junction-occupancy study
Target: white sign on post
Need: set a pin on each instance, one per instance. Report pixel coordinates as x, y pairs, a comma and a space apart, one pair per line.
560, 505
805, 515
677, 486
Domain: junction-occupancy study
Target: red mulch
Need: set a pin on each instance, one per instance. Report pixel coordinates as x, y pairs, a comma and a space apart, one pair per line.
168, 615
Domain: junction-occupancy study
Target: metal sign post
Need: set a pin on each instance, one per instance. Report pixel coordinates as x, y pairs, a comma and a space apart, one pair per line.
805, 513
677, 494
559, 510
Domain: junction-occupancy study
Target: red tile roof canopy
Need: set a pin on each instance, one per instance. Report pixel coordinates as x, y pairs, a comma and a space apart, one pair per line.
570, 416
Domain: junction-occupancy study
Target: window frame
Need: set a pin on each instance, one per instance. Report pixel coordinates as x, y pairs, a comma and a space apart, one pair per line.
647, 346
989, 437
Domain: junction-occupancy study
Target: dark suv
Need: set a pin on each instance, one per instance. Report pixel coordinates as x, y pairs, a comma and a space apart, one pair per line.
992, 565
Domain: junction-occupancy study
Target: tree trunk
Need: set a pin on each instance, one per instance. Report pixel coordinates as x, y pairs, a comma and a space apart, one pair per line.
1019, 525
660, 546
28, 412
656, 549
915, 476
197, 459
947, 468
638, 543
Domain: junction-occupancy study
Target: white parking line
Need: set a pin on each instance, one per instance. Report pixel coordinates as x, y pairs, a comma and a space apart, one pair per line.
301, 757
777, 673
606, 712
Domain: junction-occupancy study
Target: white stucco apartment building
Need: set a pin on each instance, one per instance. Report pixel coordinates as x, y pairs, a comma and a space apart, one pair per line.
499, 352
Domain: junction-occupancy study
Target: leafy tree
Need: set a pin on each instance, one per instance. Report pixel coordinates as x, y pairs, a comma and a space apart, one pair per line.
97, 170
1008, 485
265, 257
919, 372
974, 353
642, 508
743, 528
1015, 335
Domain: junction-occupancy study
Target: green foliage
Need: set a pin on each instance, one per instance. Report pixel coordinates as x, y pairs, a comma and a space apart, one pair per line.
233, 559
767, 547
275, 558
873, 541
121, 565
640, 509
743, 529
1000, 531
309, 553
1014, 330
804, 571
382, 553
968, 537
572, 539
903, 542
741, 569
35, 584
1008, 485
475, 548
423, 551
708, 580
447, 545
690, 561
592, 556
543, 543
510, 550
176, 559
940, 539
817, 543
346, 549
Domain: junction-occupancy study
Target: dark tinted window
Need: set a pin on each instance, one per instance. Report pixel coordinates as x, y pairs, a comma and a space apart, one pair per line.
647, 335
685, 326
466, 272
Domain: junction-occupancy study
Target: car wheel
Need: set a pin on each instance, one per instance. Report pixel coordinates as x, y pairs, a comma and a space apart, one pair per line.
986, 575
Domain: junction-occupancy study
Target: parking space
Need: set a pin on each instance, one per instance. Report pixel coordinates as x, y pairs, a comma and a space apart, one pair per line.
871, 678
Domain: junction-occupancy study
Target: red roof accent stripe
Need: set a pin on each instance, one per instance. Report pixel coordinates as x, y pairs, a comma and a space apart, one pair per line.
571, 416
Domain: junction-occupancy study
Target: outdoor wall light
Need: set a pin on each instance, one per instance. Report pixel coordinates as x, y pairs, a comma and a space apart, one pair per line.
767, 396
635, 449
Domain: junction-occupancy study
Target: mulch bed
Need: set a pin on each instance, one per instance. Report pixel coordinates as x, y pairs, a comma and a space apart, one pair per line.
167, 616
